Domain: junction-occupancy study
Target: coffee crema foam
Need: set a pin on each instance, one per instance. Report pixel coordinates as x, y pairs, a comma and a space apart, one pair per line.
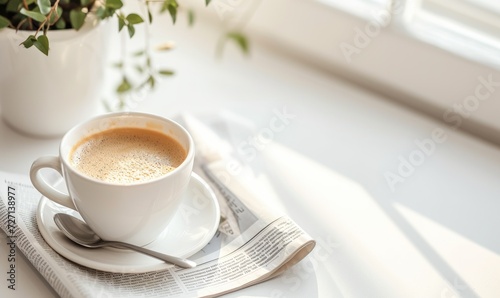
127, 155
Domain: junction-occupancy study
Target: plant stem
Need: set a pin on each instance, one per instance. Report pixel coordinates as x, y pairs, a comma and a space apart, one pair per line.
47, 18
25, 5
22, 22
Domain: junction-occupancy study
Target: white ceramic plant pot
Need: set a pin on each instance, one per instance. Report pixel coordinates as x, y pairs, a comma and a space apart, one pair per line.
46, 95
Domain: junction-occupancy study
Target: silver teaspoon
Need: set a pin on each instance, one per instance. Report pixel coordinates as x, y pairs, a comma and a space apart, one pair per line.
80, 233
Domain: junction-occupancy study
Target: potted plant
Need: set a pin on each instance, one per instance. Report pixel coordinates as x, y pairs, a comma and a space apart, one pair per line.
53, 55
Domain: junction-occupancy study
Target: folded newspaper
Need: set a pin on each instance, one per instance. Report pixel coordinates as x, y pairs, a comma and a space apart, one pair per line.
254, 242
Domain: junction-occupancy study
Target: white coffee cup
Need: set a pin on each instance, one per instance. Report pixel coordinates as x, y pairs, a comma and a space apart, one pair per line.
135, 213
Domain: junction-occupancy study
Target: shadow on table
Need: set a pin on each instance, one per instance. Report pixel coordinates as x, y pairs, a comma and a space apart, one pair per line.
376, 246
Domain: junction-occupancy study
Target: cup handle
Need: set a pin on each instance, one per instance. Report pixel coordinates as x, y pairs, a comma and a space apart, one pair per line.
43, 187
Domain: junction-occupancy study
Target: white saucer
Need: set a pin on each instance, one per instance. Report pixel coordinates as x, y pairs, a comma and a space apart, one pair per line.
190, 230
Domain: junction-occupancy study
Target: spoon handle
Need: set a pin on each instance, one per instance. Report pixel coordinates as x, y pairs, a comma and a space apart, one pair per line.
181, 262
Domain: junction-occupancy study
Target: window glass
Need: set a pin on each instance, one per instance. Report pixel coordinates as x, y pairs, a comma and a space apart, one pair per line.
471, 23
361, 8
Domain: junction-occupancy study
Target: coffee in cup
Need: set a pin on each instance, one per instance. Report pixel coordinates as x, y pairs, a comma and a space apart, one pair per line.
127, 155
125, 174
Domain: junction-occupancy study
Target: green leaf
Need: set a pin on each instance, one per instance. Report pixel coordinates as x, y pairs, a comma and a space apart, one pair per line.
134, 18
28, 43
2, 2
150, 15
139, 69
207, 2
172, 9
13, 5
131, 30
42, 43
85, 3
115, 4
121, 23
77, 18
139, 53
190, 17
166, 72
101, 12
124, 86
236, 37
151, 81
33, 14
54, 17
240, 40
104, 12
4, 22
44, 6
61, 24
171, 6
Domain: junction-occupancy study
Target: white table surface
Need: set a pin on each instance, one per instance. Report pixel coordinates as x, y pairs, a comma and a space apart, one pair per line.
436, 235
